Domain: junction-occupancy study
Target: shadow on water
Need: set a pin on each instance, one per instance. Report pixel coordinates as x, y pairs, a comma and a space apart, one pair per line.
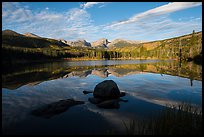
16, 76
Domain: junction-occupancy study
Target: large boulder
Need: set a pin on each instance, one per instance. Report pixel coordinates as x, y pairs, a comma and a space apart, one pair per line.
106, 95
107, 89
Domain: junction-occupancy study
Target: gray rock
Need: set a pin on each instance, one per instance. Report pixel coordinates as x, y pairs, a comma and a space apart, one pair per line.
107, 89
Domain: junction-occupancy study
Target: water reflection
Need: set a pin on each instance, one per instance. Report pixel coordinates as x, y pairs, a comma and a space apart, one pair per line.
17, 76
55, 108
148, 87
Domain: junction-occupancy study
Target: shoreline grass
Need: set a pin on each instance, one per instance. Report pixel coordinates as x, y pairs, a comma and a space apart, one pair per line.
183, 119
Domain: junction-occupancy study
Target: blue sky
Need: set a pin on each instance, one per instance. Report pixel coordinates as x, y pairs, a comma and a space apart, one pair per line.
94, 20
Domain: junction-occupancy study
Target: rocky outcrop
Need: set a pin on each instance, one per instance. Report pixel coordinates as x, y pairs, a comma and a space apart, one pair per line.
78, 43
101, 43
63, 41
83, 43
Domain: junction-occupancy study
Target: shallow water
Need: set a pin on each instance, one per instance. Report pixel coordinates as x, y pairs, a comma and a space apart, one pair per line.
149, 85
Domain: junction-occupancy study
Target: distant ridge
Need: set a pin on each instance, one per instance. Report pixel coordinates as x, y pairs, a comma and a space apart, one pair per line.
28, 40
31, 35
123, 42
10, 32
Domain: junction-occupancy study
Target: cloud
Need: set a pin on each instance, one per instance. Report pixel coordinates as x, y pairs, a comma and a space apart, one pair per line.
13, 12
90, 4
155, 28
77, 23
155, 24
168, 8
101, 6
77, 14
71, 24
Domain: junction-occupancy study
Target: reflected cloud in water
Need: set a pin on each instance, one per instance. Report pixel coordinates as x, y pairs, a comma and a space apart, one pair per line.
146, 89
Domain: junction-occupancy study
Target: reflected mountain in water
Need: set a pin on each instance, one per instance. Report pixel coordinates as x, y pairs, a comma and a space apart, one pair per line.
101, 72
16, 76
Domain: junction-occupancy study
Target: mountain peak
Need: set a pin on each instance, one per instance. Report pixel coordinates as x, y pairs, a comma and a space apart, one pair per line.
102, 42
123, 42
77, 43
10, 32
31, 35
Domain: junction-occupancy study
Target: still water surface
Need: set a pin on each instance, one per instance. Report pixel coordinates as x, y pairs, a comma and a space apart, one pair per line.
149, 85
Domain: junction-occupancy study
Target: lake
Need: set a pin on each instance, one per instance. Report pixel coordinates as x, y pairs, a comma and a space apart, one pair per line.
149, 86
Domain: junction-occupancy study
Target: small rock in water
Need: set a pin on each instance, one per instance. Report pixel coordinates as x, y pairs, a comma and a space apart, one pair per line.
87, 92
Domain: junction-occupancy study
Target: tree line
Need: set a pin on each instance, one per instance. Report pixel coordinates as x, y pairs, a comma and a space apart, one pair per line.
176, 48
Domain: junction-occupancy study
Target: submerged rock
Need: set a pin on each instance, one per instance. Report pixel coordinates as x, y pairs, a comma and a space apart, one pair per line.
55, 108
96, 100
113, 103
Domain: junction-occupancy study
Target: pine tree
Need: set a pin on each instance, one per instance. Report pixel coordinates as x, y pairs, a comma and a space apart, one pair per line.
193, 41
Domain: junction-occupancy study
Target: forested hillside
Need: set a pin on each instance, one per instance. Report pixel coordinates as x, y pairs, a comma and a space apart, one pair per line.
183, 47
17, 48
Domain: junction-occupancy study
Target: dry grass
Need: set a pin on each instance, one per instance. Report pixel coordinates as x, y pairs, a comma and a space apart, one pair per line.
183, 119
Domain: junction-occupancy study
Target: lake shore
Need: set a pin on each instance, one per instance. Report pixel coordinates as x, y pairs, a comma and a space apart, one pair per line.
16, 62
84, 59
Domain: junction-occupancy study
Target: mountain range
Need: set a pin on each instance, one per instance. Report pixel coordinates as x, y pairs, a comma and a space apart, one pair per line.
29, 46
101, 43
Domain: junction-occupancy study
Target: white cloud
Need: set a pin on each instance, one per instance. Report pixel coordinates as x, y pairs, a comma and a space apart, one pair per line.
90, 4
71, 25
12, 12
198, 19
155, 28
77, 14
77, 23
101, 6
48, 16
168, 8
